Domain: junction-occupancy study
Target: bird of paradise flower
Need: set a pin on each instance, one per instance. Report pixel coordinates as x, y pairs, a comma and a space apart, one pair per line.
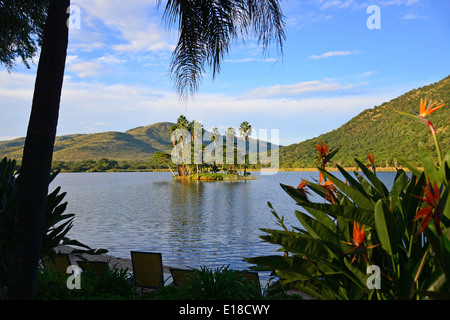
424, 111
432, 195
358, 243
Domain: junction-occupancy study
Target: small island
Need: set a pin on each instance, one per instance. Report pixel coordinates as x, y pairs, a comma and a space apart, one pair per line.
209, 176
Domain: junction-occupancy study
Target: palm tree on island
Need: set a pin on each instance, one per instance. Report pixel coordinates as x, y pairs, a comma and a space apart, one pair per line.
245, 129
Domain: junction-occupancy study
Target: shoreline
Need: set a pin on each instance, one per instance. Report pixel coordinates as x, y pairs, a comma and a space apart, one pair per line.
378, 169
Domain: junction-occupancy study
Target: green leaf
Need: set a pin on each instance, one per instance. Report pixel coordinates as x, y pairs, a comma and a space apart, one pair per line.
359, 275
377, 183
400, 183
316, 229
350, 213
428, 165
299, 244
410, 167
319, 215
387, 228
358, 198
352, 181
444, 165
444, 204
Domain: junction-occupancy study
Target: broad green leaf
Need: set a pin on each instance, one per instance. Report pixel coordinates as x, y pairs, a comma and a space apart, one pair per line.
350, 213
352, 181
319, 215
444, 176
399, 185
379, 186
428, 165
319, 291
387, 228
357, 197
410, 167
411, 202
299, 244
444, 203
369, 190
316, 229
293, 192
359, 275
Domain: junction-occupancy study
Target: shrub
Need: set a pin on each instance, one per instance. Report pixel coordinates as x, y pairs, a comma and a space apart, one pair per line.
114, 284
362, 227
220, 283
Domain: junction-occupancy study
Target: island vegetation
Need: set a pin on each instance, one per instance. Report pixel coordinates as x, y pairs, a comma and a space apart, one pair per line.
194, 167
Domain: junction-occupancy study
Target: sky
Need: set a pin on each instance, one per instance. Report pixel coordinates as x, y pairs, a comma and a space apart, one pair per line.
340, 57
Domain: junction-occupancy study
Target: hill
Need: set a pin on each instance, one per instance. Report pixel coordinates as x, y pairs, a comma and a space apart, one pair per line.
135, 144
388, 134
138, 144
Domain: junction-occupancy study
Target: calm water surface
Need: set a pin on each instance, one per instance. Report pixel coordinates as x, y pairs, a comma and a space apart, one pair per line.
191, 224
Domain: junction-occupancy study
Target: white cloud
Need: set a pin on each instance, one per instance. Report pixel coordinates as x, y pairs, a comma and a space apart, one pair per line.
133, 20
337, 4
87, 69
413, 16
330, 54
92, 68
297, 89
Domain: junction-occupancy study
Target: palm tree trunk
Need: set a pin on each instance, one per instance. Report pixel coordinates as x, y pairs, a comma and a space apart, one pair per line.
34, 176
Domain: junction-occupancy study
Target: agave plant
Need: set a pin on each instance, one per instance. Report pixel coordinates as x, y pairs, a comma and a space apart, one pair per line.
365, 228
57, 222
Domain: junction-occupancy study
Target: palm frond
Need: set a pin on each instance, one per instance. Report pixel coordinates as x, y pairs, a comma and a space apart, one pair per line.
208, 28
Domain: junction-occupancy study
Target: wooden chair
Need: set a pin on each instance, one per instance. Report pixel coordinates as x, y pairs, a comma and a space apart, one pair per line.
58, 263
99, 267
181, 277
147, 269
251, 276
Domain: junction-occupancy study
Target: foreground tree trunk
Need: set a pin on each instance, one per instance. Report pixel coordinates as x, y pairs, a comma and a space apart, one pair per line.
34, 176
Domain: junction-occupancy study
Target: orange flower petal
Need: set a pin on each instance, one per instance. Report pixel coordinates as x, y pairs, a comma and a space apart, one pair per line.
424, 110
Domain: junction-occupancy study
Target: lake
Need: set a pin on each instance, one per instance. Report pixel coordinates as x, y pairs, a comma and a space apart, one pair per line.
192, 224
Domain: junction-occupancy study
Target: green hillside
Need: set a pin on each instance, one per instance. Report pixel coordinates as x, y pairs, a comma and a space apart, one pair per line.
135, 144
388, 134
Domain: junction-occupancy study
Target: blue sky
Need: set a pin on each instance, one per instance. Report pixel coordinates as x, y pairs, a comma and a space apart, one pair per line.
333, 68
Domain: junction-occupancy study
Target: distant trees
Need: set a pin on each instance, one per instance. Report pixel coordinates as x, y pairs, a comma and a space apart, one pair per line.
103, 164
231, 150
